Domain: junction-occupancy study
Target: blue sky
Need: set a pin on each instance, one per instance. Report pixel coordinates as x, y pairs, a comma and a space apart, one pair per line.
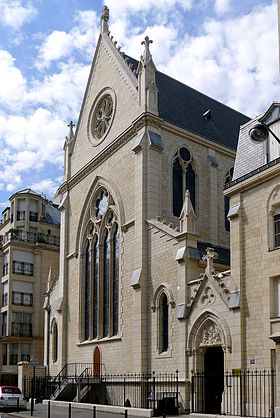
224, 48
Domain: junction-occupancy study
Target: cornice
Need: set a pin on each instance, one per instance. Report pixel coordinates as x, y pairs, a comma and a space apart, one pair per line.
253, 180
142, 121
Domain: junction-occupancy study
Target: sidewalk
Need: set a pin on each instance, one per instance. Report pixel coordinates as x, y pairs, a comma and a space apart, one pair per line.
41, 411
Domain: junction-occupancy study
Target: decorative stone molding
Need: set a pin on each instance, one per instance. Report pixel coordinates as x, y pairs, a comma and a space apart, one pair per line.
211, 336
208, 296
136, 126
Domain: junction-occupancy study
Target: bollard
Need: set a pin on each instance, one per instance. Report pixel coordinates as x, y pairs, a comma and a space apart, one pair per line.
125, 413
32, 406
49, 409
17, 405
163, 415
69, 411
94, 412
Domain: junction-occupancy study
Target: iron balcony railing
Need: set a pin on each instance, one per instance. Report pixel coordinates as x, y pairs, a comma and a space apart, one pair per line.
32, 237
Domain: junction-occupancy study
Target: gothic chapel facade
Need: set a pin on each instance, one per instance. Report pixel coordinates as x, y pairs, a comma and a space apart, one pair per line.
142, 217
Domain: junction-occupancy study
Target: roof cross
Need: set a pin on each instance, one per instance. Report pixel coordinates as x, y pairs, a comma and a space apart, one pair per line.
71, 124
147, 41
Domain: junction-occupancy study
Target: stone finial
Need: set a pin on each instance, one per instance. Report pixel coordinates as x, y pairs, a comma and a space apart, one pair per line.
147, 53
147, 89
70, 137
209, 257
188, 217
104, 18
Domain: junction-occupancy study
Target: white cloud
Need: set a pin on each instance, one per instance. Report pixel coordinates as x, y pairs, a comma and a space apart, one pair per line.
119, 8
222, 6
12, 82
14, 15
46, 186
60, 44
61, 91
233, 60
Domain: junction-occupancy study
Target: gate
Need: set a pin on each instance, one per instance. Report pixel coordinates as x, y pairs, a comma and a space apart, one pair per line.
246, 393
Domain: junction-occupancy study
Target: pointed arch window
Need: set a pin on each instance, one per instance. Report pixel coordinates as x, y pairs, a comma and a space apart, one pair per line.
228, 179
101, 271
184, 178
164, 322
116, 281
106, 285
54, 342
95, 287
87, 291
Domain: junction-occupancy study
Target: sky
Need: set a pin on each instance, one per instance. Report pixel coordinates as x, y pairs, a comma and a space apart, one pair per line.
227, 49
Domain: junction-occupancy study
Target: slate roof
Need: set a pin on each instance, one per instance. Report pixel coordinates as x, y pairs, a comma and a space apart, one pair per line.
223, 253
52, 214
184, 106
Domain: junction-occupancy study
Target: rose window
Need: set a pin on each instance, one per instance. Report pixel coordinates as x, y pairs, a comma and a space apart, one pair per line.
102, 117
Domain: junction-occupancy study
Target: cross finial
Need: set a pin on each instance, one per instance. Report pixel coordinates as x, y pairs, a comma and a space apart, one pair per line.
71, 124
209, 257
147, 41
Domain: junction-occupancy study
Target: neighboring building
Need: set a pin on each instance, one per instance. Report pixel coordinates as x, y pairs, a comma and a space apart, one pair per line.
255, 242
29, 245
141, 201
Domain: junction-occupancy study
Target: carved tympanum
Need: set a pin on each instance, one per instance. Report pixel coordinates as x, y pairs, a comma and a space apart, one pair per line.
211, 336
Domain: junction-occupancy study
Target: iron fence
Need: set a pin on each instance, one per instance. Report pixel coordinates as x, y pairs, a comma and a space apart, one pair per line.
158, 391
242, 393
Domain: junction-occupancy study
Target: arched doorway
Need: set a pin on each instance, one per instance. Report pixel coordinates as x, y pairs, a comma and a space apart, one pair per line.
214, 379
96, 362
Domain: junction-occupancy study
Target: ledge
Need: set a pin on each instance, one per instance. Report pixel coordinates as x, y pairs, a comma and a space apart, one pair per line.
137, 412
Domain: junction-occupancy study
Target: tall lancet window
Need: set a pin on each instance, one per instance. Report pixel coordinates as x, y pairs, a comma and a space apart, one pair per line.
95, 288
228, 179
163, 306
183, 179
106, 285
87, 291
116, 281
100, 297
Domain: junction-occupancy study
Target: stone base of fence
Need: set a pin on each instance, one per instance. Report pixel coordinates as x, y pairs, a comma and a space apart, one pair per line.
137, 412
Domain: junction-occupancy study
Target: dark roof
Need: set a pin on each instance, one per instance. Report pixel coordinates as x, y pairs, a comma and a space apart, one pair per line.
52, 214
184, 107
223, 253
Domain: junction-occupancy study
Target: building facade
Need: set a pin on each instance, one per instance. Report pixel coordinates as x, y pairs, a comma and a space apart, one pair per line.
255, 246
142, 216
29, 245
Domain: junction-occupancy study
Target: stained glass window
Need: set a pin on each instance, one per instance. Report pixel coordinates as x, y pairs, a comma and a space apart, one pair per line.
183, 179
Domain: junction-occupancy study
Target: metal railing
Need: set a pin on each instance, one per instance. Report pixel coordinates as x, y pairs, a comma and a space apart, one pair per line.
25, 236
157, 391
242, 392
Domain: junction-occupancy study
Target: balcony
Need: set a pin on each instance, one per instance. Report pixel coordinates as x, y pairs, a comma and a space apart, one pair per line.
20, 329
24, 236
5, 299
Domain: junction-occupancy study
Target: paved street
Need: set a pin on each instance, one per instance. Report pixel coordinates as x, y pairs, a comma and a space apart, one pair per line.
41, 411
